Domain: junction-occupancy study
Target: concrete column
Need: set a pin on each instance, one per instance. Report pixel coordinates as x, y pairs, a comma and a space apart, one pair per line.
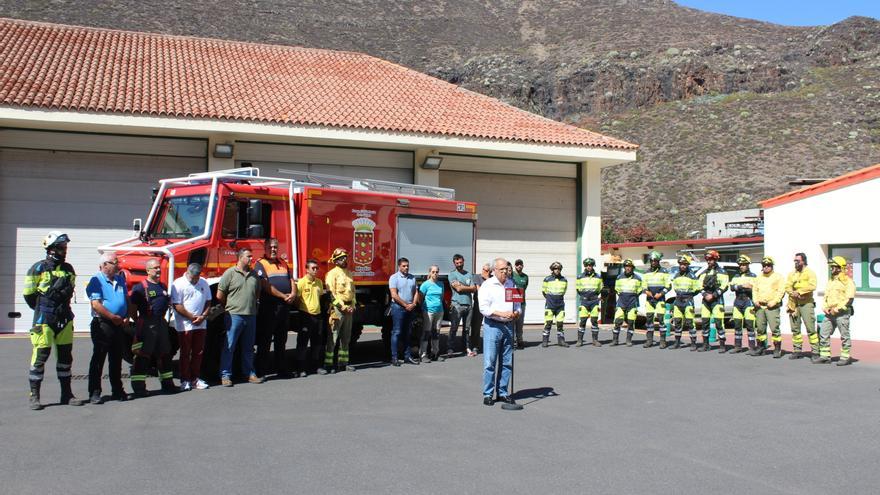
421, 176
591, 212
220, 163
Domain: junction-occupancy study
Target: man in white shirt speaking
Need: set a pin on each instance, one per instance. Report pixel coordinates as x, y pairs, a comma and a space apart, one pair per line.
500, 305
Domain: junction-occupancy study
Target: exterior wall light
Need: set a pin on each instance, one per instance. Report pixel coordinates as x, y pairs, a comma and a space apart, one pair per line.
432, 162
222, 151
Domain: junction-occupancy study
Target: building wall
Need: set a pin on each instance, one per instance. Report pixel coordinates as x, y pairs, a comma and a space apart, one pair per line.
812, 224
716, 223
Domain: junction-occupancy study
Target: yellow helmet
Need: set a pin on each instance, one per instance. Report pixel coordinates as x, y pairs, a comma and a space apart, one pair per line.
338, 253
767, 260
839, 261
684, 259
628, 262
743, 260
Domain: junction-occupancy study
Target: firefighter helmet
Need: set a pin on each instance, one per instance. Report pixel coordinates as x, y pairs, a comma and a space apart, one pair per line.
655, 256
767, 260
684, 260
838, 261
54, 238
589, 262
555, 266
743, 260
337, 254
712, 255
628, 262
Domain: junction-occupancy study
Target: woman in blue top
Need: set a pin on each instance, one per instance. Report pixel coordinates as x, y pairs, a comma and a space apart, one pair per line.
432, 293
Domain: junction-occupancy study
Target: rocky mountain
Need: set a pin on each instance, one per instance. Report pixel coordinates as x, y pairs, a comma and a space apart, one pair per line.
727, 110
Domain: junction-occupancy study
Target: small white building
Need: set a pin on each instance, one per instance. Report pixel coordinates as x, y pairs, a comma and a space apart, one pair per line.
832, 218
735, 223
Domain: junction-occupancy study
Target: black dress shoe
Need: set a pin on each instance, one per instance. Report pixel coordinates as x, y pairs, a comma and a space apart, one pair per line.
122, 396
487, 401
507, 400
96, 399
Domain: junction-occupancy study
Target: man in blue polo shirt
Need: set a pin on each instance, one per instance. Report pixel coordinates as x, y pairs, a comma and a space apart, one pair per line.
109, 300
404, 303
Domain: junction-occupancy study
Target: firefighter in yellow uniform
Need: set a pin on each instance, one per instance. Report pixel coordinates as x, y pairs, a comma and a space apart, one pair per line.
553, 288
589, 289
799, 285
839, 295
714, 282
743, 307
767, 293
340, 284
628, 286
657, 283
48, 289
686, 287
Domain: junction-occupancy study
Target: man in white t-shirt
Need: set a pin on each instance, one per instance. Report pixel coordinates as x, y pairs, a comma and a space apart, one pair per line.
191, 298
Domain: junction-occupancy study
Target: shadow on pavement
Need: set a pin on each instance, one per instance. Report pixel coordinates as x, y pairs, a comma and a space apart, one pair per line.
535, 394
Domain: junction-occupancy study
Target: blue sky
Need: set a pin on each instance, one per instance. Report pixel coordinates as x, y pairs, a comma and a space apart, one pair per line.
790, 12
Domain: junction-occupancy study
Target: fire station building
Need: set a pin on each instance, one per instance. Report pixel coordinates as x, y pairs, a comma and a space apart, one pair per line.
90, 119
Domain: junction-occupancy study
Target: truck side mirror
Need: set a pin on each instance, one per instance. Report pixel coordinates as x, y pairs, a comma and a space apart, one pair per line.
255, 232
136, 224
254, 212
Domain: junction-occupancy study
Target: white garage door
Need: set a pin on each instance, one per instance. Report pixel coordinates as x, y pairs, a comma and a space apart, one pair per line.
525, 217
90, 186
395, 166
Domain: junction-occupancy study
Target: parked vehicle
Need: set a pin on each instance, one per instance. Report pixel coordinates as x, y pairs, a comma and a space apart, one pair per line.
207, 217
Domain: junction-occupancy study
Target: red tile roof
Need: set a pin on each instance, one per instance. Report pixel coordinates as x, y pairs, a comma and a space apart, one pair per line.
72, 68
844, 180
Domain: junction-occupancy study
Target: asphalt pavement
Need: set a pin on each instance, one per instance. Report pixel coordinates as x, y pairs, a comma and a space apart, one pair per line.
596, 420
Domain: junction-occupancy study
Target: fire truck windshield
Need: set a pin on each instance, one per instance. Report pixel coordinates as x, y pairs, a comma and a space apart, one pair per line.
180, 217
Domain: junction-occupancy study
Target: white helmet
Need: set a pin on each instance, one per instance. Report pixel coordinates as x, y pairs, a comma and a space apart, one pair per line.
55, 237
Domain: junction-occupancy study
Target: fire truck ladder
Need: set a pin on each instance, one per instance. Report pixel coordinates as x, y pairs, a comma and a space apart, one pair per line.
338, 182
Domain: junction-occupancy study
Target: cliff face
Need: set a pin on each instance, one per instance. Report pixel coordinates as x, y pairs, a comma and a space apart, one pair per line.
726, 110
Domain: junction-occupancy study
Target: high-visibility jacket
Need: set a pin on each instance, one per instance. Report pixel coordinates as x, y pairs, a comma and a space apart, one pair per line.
48, 290
656, 281
340, 283
628, 289
554, 291
714, 281
685, 286
588, 286
839, 294
768, 289
737, 283
804, 282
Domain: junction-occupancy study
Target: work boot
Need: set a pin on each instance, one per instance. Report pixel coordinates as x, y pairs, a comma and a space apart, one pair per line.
560, 340
649, 339
580, 342
67, 397
615, 338
777, 350
737, 346
704, 347
795, 354
693, 344
629, 339
168, 387
820, 360
722, 347
35, 396
546, 341
844, 361
663, 343
677, 344
139, 389
596, 342
755, 350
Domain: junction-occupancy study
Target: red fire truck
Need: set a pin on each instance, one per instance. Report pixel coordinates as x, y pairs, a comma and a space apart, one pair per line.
207, 217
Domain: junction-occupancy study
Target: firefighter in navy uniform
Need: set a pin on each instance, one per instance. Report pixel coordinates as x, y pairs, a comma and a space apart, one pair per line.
685, 286
657, 283
554, 288
714, 283
48, 289
589, 288
743, 307
149, 302
628, 287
